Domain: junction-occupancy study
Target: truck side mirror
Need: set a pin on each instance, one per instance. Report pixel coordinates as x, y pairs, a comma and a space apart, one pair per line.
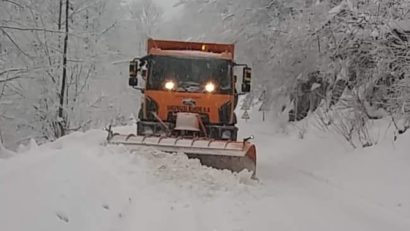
246, 79
133, 82
133, 71
133, 68
144, 73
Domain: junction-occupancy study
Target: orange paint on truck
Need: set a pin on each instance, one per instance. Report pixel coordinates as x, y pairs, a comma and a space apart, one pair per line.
171, 101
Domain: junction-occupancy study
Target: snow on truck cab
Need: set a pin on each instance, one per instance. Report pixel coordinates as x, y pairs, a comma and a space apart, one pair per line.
192, 79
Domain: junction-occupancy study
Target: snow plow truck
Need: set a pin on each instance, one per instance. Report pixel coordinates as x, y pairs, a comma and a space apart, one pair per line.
189, 100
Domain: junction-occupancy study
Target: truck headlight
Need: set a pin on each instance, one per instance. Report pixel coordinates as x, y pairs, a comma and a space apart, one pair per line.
210, 87
170, 85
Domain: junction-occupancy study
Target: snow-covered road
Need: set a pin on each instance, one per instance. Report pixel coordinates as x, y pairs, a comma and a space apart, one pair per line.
76, 183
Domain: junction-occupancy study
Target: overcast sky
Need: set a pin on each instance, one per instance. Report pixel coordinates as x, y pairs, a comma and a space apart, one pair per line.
169, 11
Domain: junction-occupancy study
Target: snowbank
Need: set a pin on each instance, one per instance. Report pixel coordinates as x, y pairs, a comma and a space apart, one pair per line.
4, 152
80, 183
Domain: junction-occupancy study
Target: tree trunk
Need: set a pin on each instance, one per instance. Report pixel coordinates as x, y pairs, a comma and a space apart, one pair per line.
60, 15
61, 119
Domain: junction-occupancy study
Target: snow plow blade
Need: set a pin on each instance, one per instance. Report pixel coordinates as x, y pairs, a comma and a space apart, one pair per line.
232, 155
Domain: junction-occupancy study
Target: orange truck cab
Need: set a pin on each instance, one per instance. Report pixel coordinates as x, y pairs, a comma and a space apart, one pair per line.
189, 77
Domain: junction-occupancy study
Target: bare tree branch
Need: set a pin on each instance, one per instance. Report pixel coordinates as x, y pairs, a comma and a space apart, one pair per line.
14, 42
14, 3
10, 79
30, 29
11, 70
37, 29
106, 30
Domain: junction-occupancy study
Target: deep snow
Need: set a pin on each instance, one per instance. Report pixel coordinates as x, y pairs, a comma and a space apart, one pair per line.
316, 183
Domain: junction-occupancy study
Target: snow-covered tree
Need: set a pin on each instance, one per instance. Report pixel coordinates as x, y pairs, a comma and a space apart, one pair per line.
355, 47
32, 66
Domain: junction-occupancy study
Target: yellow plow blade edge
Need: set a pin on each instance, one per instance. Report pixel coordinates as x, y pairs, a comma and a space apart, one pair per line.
232, 155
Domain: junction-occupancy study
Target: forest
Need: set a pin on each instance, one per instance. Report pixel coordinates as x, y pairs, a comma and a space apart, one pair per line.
341, 63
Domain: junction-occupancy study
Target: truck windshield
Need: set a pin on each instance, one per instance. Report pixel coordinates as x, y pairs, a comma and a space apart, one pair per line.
189, 74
